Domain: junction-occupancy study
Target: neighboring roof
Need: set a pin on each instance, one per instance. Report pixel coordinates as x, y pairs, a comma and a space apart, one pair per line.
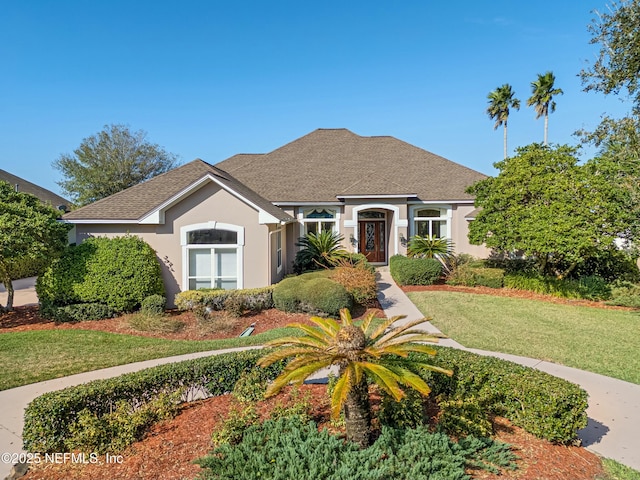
143, 200
331, 163
474, 214
45, 196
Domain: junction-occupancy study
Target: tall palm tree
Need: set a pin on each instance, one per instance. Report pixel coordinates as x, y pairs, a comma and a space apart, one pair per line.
367, 352
542, 98
500, 101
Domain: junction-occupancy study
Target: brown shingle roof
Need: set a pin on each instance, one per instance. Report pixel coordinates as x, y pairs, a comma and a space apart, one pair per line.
136, 202
45, 196
328, 163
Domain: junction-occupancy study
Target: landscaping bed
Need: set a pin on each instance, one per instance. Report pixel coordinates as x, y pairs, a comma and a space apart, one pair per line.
510, 292
27, 318
171, 447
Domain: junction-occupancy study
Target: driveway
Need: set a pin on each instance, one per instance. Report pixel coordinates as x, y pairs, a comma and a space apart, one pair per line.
25, 292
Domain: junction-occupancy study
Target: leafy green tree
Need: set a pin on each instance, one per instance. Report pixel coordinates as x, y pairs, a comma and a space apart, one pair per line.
542, 92
361, 353
110, 161
29, 232
500, 101
617, 67
545, 205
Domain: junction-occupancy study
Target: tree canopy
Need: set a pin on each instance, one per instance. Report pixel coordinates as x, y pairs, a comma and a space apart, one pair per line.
110, 161
617, 67
29, 232
546, 206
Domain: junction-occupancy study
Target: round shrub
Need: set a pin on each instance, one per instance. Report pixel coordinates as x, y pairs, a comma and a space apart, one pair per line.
311, 292
285, 294
322, 295
154, 304
119, 272
414, 271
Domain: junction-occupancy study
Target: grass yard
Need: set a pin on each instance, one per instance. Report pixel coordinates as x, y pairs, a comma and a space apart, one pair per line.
599, 340
38, 355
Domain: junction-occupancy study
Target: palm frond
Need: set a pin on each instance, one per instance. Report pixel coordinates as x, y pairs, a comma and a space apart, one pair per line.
295, 376
399, 331
341, 391
385, 379
345, 317
367, 323
384, 325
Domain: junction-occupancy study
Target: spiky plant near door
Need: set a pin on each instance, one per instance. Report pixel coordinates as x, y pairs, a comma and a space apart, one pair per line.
319, 250
369, 352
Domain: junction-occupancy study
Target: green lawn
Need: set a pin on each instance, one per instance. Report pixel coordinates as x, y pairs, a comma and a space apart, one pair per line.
593, 339
34, 356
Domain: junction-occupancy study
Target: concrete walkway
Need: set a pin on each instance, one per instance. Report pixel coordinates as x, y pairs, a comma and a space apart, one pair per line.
24, 292
614, 405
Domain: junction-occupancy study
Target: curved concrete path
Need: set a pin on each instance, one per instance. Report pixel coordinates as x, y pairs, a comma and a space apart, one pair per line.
613, 430
614, 405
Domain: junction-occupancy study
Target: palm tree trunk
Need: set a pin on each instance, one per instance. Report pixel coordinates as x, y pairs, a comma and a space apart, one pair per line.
357, 414
546, 127
505, 140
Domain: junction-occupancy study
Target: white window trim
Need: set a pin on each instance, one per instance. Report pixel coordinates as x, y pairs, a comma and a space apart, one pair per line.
446, 214
239, 246
303, 221
279, 258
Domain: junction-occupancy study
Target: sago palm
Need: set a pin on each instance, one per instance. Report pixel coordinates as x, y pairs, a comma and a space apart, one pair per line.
370, 352
500, 101
320, 249
542, 98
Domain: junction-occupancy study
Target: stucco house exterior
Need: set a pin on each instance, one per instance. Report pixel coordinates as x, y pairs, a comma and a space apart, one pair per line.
235, 224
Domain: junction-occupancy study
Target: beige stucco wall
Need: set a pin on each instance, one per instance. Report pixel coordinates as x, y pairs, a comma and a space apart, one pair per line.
460, 230
209, 203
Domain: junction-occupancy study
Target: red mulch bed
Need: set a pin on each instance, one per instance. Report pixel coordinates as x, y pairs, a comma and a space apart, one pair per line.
168, 451
27, 318
510, 292
170, 448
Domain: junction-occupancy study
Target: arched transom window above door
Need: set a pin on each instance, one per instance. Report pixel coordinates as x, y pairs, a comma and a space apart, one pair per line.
212, 256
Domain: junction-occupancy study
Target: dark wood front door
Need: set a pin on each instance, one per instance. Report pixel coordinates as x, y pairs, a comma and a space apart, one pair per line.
372, 241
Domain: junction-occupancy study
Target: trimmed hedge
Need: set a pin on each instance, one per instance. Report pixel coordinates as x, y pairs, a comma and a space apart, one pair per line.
79, 312
590, 288
118, 272
470, 276
154, 304
311, 293
199, 301
51, 420
546, 406
414, 271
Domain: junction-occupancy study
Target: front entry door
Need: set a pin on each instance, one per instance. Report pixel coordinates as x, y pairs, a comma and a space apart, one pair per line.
372, 240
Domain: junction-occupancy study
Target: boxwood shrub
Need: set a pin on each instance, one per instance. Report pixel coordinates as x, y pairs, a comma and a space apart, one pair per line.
118, 272
313, 293
546, 406
199, 301
78, 312
414, 271
51, 421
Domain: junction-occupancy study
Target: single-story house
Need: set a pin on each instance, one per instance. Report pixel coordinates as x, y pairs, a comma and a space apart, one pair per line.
236, 224
45, 196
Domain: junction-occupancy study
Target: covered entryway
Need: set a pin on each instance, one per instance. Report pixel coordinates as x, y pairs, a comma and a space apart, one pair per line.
372, 236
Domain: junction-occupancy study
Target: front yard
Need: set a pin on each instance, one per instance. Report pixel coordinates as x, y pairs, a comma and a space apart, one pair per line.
600, 340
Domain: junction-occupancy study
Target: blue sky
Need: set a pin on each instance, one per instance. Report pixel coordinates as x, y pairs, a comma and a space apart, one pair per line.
209, 79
